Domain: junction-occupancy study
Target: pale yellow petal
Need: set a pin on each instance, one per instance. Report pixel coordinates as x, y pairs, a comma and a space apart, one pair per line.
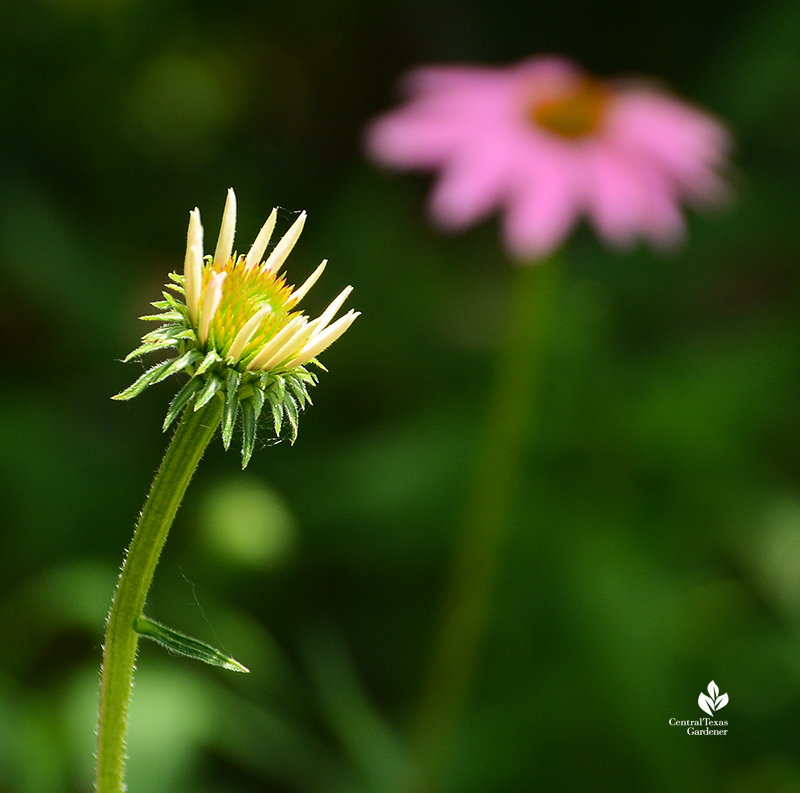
324, 339
268, 350
331, 310
261, 241
300, 293
212, 295
247, 331
291, 346
227, 229
193, 265
284, 247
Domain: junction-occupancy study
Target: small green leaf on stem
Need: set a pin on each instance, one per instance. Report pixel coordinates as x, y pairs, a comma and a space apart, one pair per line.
181, 644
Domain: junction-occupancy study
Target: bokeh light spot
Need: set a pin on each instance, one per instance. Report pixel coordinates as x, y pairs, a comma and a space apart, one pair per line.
178, 106
246, 522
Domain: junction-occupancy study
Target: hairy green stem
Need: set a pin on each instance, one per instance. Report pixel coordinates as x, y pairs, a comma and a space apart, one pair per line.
485, 525
119, 650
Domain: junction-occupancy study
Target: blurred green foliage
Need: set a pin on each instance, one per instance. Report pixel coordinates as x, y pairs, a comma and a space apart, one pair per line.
657, 540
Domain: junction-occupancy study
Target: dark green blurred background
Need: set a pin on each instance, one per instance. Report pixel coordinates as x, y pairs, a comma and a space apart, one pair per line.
656, 545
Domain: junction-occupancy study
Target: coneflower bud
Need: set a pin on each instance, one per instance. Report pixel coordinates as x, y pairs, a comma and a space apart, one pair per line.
237, 332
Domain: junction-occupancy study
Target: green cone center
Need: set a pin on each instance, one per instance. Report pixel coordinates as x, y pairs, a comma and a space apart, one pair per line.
244, 292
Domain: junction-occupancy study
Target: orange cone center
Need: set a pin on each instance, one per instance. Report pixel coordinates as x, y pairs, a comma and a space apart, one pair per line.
575, 115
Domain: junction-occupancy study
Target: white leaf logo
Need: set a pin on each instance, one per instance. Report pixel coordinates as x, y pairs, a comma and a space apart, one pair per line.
713, 700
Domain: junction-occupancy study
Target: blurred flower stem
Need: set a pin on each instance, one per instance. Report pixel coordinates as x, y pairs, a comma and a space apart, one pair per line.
486, 523
194, 432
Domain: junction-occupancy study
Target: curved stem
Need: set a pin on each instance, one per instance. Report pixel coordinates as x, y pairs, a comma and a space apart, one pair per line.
485, 524
119, 650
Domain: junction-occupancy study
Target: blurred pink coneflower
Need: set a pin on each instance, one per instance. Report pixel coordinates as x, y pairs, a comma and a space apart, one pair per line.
547, 144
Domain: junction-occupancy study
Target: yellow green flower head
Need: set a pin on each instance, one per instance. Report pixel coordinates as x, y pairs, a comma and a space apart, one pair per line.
238, 333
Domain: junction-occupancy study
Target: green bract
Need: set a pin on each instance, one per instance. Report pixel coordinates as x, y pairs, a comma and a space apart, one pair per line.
234, 326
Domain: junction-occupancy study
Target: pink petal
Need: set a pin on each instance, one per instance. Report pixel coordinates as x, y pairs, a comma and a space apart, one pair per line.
616, 198
426, 132
476, 104
545, 76
686, 144
542, 209
629, 198
407, 140
664, 223
470, 186
428, 80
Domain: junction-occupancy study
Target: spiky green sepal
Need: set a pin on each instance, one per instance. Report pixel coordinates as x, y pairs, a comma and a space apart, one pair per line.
231, 409
210, 376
